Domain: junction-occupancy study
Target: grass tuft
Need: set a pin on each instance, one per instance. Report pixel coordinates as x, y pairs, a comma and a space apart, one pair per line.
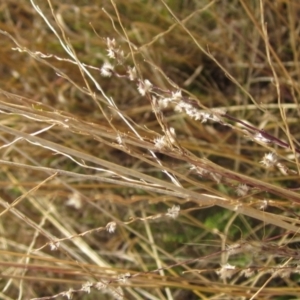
149, 149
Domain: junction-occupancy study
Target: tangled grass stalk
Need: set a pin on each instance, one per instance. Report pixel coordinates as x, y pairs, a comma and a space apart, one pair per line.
149, 156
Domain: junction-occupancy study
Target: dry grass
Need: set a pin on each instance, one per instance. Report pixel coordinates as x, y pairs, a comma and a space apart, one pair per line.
185, 188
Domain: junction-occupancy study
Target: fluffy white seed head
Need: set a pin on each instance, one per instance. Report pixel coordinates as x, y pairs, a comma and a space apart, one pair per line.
107, 69
144, 87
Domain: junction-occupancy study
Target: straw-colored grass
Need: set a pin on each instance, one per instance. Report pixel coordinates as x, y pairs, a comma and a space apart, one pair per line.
149, 149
